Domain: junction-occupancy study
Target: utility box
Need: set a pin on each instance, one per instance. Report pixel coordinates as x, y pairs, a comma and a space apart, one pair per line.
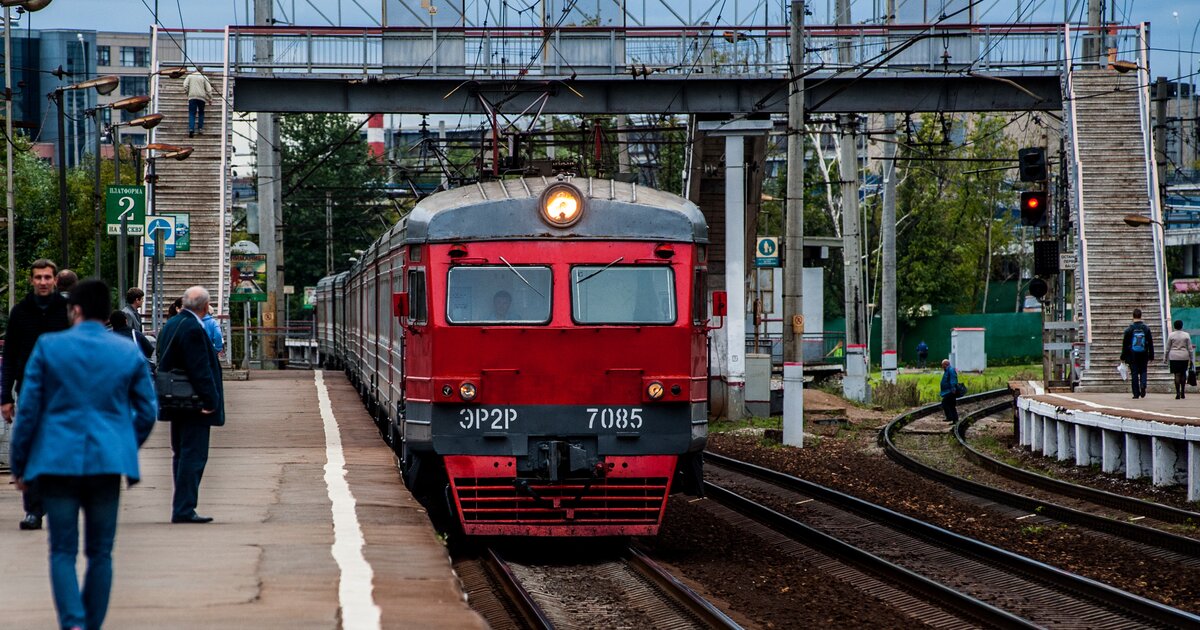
967, 352
758, 384
854, 384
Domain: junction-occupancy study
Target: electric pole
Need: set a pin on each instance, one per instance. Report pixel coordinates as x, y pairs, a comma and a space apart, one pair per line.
855, 383
268, 183
889, 357
793, 241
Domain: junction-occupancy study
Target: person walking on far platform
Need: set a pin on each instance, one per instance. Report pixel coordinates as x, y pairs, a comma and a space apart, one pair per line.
65, 281
1137, 351
922, 354
185, 345
950, 392
42, 311
134, 298
76, 435
1180, 352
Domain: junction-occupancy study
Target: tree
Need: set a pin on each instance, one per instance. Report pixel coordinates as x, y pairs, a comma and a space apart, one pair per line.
325, 153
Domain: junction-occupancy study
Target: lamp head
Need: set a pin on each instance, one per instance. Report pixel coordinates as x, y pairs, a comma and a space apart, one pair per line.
180, 155
174, 73
28, 5
1137, 220
132, 104
104, 85
159, 146
149, 121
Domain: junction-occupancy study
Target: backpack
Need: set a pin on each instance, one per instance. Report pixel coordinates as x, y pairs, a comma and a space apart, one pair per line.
1137, 342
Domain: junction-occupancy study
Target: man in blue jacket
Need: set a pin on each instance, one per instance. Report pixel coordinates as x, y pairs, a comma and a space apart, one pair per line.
950, 391
76, 435
185, 345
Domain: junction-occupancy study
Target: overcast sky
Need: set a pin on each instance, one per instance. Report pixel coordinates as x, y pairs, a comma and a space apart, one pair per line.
1169, 33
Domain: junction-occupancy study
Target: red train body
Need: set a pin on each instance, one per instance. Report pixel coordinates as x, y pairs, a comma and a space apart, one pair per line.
545, 373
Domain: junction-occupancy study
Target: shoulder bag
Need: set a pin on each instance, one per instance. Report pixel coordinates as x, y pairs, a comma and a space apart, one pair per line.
175, 391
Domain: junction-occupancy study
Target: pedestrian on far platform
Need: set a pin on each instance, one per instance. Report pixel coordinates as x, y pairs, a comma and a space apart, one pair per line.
76, 435
922, 354
1180, 352
213, 330
1137, 351
42, 311
134, 298
65, 281
951, 390
199, 93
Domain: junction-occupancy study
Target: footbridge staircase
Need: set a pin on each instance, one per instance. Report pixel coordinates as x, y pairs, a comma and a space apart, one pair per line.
1113, 174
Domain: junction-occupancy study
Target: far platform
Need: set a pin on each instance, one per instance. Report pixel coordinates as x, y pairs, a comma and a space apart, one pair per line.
270, 559
1156, 436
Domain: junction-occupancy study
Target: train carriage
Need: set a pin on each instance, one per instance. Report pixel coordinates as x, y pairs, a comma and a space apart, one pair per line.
535, 351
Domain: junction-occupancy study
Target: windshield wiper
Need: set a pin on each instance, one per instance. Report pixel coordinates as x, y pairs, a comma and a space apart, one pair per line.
514, 270
599, 271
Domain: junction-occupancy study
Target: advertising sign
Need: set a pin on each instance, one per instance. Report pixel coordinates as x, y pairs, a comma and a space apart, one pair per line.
248, 278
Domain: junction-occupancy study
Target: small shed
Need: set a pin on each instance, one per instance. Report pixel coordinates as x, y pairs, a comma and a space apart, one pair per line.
967, 352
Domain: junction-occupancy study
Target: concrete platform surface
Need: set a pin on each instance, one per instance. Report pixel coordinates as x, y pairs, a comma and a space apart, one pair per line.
1154, 407
270, 559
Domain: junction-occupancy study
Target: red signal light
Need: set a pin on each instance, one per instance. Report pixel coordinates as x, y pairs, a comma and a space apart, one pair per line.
1032, 203
1033, 208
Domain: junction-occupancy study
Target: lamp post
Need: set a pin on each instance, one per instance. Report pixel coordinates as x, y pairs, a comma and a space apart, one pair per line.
9, 196
171, 152
103, 85
131, 104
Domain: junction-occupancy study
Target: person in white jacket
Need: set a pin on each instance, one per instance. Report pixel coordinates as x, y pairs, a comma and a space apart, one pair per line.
1179, 353
199, 93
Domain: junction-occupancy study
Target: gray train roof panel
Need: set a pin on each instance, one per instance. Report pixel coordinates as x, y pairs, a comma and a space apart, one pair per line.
508, 209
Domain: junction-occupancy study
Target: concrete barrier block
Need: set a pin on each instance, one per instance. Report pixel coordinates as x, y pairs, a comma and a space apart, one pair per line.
1066, 440
1137, 456
1049, 437
1166, 455
1113, 452
1193, 471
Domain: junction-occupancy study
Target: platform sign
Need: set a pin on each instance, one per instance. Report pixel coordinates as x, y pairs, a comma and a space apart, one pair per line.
183, 230
129, 201
248, 278
766, 252
310, 297
164, 224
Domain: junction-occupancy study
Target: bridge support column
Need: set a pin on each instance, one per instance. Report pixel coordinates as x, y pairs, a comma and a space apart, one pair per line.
1137, 456
1112, 459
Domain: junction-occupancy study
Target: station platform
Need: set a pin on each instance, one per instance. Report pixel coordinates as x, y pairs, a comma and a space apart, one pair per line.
1156, 436
313, 529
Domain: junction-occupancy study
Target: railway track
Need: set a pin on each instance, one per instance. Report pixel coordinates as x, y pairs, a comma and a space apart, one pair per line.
629, 590
1092, 509
975, 581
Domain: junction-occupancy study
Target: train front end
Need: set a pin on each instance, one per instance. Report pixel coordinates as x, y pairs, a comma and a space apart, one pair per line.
564, 375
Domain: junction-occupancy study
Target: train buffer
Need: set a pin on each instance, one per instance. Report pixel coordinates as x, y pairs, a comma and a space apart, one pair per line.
270, 558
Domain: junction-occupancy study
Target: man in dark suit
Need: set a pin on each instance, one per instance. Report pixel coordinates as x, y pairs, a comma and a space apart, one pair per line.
42, 311
184, 345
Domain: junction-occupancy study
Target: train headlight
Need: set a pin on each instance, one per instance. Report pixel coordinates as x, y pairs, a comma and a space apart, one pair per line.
562, 204
467, 391
655, 390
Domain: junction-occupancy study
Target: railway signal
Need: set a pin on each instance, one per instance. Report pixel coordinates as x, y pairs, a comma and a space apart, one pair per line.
1032, 164
1033, 208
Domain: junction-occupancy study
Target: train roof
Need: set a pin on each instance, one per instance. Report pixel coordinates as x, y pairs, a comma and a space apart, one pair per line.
507, 209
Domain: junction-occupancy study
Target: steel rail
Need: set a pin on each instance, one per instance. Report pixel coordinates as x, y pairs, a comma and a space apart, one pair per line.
1100, 594
530, 613
1123, 529
945, 596
696, 605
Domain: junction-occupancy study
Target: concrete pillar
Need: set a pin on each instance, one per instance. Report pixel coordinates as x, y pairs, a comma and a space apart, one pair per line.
1165, 455
1049, 437
1087, 445
1137, 456
854, 385
1113, 452
1022, 427
1193, 471
735, 273
793, 404
1066, 441
1035, 432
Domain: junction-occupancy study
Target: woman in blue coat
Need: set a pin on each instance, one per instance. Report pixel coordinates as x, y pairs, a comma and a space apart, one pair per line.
87, 404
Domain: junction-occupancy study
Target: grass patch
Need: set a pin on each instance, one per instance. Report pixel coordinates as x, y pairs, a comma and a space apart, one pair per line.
929, 384
725, 426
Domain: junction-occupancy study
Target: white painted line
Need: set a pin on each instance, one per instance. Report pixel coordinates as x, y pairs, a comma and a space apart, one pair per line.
1095, 405
355, 589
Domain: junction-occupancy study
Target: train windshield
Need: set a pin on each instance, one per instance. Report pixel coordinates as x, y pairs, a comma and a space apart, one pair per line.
622, 295
498, 295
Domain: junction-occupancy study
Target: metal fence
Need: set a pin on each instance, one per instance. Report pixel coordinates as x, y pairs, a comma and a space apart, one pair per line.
751, 50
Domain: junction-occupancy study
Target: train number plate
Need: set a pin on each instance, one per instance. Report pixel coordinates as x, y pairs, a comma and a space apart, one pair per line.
619, 418
487, 418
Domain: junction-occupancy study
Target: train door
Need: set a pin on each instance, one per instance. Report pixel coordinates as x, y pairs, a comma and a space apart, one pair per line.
396, 351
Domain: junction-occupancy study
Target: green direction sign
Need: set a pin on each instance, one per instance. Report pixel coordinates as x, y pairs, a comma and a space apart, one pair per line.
127, 200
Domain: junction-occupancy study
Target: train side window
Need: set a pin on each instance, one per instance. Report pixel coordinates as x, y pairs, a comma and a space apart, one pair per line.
699, 303
418, 312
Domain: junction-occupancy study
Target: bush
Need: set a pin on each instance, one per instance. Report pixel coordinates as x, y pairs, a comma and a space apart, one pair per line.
903, 394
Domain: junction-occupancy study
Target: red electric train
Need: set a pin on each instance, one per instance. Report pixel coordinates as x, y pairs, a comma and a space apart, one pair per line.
535, 352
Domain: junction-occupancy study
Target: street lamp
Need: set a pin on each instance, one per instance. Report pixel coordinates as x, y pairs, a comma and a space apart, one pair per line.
171, 152
9, 196
102, 85
148, 121
131, 104
1138, 220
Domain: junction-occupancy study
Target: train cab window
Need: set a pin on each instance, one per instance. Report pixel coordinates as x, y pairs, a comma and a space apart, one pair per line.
498, 295
622, 295
417, 311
